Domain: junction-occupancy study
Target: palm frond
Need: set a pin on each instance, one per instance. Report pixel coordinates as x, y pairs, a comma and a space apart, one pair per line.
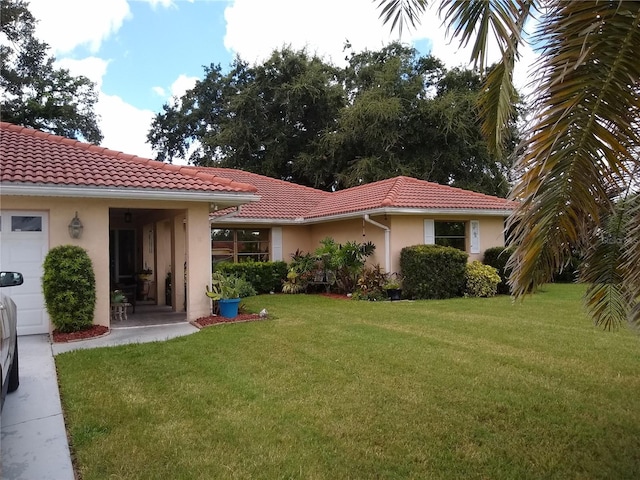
632, 265
608, 298
584, 133
482, 20
497, 106
401, 12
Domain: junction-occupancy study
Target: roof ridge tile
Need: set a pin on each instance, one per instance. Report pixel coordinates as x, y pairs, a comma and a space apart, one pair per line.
393, 192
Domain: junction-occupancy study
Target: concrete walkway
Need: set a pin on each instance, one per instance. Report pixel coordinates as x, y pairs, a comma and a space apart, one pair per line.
34, 442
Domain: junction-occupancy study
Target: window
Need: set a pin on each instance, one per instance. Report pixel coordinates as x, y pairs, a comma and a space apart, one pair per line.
239, 245
450, 234
26, 224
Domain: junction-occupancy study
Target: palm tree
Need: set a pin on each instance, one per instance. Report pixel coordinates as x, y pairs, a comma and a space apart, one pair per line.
578, 167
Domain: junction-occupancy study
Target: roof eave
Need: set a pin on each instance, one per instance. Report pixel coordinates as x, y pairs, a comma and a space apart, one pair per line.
41, 190
470, 212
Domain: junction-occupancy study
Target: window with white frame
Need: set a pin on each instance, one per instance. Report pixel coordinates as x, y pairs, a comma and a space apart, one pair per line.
446, 233
450, 234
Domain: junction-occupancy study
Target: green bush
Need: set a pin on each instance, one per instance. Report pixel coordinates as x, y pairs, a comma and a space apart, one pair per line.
69, 287
371, 284
481, 280
497, 257
432, 271
265, 277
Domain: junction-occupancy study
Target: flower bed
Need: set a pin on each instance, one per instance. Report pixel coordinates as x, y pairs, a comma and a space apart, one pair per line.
92, 332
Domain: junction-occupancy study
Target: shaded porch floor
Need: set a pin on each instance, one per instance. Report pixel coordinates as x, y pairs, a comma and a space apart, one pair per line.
148, 315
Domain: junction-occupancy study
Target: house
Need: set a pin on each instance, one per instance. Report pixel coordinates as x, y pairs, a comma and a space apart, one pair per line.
139, 215
392, 214
136, 214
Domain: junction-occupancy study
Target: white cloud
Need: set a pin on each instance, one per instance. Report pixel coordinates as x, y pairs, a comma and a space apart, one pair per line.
160, 91
124, 126
67, 24
181, 84
93, 68
256, 27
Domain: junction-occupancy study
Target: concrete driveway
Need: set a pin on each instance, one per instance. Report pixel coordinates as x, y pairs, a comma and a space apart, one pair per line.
34, 442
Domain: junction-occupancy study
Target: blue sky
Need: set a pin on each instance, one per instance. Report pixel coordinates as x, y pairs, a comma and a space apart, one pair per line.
157, 45
141, 53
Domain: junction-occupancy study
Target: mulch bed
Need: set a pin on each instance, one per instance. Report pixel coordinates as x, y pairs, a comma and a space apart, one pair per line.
92, 332
216, 319
337, 296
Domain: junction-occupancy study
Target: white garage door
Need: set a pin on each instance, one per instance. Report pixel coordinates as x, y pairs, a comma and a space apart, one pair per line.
24, 243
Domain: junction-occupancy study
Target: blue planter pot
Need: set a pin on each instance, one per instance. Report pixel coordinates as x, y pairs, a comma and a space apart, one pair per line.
229, 307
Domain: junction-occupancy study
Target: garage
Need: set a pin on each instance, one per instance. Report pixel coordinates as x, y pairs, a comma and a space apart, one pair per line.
23, 246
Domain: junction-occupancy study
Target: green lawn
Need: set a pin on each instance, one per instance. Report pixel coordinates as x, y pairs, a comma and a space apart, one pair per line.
334, 389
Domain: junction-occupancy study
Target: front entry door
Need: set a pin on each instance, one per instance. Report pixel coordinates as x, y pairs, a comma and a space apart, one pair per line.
122, 256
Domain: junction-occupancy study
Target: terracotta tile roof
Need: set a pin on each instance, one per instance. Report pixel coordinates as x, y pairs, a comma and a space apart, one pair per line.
278, 199
285, 200
33, 157
406, 193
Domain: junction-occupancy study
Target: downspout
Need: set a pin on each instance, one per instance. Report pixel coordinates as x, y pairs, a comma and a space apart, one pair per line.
387, 241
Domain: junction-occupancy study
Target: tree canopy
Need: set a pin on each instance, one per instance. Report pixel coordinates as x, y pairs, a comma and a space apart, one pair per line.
578, 167
298, 118
34, 92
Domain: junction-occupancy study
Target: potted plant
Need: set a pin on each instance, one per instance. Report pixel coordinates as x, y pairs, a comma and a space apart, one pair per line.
226, 289
393, 286
145, 274
117, 297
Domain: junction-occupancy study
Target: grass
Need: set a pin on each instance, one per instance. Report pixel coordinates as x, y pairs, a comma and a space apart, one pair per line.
333, 389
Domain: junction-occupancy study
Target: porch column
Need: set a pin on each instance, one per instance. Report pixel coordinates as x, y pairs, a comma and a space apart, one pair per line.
198, 248
177, 262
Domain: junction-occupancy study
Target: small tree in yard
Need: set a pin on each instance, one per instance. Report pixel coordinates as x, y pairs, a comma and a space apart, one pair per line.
69, 287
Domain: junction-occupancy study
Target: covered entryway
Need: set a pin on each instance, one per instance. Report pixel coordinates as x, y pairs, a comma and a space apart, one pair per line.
146, 251
24, 243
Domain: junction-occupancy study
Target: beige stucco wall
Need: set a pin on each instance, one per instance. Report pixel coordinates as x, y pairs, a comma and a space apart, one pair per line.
295, 237
94, 214
407, 230
352, 231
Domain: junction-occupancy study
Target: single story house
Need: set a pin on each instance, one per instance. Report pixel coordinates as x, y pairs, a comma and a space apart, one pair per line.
136, 214
392, 214
143, 217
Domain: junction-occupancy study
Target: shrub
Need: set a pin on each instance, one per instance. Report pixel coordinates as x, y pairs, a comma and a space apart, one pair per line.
344, 263
69, 287
481, 280
432, 271
294, 283
371, 284
497, 257
265, 277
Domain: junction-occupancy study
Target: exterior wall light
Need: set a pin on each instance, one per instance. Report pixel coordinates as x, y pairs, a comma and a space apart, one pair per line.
75, 227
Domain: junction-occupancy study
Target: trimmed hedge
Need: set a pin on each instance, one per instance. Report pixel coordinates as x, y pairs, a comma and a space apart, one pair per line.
498, 257
265, 277
432, 271
482, 280
69, 287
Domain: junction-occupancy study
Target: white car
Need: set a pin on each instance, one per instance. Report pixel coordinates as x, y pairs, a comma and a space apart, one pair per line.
8, 335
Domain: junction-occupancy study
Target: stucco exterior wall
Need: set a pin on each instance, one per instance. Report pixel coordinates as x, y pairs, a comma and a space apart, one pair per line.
295, 238
491, 234
351, 231
198, 246
94, 214
407, 230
